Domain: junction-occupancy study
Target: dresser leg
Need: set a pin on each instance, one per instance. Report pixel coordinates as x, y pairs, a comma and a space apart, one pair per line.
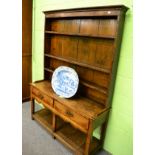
88, 139
103, 131
32, 108
54, 124
87, 146
77, 153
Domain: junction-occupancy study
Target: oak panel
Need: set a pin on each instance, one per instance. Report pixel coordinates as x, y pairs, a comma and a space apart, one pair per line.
107, 27
89, 26
57, 25
86, 50
93, 94
104, 54
101, 79
56, 46
69, 47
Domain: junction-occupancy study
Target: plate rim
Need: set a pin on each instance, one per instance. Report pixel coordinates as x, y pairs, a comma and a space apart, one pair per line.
71, 70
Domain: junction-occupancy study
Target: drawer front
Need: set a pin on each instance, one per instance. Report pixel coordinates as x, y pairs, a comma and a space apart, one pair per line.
80, 120
42, 97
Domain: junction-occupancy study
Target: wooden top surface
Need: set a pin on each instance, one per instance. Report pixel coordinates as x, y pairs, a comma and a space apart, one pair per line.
81, 105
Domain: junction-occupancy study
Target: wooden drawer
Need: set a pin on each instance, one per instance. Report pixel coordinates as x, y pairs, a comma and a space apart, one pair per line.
80, 120
42, 97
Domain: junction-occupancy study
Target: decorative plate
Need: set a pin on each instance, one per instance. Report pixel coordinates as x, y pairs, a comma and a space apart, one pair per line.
65, 81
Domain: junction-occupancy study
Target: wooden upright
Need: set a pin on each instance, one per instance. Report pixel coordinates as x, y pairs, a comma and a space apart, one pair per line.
88, 40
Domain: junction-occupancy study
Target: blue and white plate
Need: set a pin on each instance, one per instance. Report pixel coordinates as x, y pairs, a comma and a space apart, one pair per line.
65, 81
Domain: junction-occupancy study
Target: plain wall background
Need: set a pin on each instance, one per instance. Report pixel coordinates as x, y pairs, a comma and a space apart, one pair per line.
119, 135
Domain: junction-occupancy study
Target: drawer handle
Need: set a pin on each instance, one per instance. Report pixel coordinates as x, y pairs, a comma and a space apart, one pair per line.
69, 113
41, 97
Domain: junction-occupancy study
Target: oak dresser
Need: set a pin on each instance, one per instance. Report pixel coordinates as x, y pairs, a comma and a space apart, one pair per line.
88, 40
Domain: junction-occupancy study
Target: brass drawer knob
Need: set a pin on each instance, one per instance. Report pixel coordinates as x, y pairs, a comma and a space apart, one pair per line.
69, 113
41, 97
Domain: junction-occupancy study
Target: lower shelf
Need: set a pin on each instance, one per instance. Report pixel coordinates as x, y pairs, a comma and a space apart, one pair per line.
68, 135
44, 117
75, 139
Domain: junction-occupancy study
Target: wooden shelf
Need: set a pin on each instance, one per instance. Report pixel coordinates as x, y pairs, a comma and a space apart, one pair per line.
44, 117
71, 137
94, 86
86, 83
79, 63
80, 35
48, 70
75, 139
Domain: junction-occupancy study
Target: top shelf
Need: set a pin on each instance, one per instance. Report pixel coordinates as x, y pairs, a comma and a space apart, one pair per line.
80, 35
78, 63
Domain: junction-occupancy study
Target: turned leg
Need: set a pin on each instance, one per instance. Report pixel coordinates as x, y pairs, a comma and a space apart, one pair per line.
88, 139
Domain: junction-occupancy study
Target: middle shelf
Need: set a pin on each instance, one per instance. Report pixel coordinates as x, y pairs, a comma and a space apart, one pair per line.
107, 71
81, 35
86, 83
